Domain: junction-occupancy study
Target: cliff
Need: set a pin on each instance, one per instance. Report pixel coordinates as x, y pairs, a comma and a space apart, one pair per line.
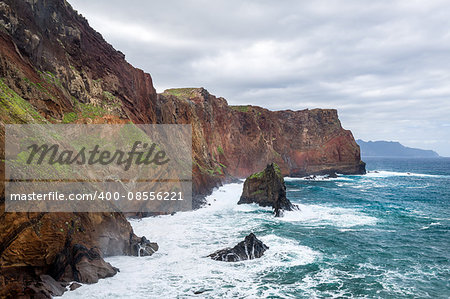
54, 68
240, 140
53, 60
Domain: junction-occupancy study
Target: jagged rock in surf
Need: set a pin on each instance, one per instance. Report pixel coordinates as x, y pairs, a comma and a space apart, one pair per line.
74, 286
144, 247
267, 189
248, 249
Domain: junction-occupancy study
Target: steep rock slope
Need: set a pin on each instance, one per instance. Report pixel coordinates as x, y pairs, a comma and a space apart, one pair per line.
240, 140
52, 58
55, 68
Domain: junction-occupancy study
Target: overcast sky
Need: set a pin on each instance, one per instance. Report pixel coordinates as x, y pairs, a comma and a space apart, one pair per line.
385, 65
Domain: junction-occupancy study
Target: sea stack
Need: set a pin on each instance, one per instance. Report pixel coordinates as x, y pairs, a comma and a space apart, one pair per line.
267, 188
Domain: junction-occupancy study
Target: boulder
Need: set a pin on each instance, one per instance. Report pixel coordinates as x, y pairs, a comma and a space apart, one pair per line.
267, 188
248, 249
144, 247
45, 287
78, 263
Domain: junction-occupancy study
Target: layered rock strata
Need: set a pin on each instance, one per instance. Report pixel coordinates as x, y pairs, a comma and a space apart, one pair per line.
54, 68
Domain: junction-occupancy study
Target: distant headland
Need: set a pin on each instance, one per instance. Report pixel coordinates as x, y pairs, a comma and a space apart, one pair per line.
392, 149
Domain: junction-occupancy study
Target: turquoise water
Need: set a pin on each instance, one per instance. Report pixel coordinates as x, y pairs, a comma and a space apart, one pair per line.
407, 252
382, 235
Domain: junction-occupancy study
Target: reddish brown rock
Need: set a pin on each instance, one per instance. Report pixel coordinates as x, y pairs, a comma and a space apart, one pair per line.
56, 66
75, 62
240, 140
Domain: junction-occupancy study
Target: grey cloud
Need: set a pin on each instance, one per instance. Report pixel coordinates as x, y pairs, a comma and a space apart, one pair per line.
383, 64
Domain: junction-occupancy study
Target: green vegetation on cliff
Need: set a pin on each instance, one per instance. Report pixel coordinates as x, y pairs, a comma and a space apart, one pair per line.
14, 109
258, 175
182, 93
240, 108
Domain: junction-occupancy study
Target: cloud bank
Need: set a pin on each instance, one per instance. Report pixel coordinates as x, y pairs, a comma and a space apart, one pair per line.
385, 65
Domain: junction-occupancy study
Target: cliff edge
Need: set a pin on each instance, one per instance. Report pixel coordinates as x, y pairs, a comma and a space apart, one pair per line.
54, 68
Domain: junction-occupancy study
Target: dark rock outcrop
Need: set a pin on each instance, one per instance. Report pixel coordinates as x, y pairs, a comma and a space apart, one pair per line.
78, 263
74, 286
46, 287
267, 188
144, 247
248, 249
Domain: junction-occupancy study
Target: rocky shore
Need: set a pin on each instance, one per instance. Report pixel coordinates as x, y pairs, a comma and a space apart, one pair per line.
54, 68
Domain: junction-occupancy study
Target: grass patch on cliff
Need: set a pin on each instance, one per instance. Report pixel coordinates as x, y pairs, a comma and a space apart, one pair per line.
50, 78
220, 150
44, 170
216, 171
89, 110
14, 109
111, 103
111, 100
69, 117
182, 93
83, 111
257, 192
240, 108
277, 169
258, 175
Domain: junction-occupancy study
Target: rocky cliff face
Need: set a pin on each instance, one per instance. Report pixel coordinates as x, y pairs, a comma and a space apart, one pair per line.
52, 59
240, 140
54, 68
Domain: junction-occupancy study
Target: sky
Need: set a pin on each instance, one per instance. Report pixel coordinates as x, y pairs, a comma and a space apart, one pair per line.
384, 65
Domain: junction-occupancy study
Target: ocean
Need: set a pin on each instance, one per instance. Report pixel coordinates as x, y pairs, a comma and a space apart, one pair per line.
385, 234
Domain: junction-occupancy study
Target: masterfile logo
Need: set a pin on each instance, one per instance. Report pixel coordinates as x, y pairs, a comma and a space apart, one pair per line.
95, 155
87, 168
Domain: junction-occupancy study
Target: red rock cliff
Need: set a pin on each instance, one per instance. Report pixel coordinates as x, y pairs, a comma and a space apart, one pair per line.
55, 68
240, 140
58, 63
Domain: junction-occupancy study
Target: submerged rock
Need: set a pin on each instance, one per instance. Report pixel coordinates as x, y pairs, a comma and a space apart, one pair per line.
333, 175
248, 249
267, 189
201, 291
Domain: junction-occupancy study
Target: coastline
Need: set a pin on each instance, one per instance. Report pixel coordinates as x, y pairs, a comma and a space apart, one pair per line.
351, 236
